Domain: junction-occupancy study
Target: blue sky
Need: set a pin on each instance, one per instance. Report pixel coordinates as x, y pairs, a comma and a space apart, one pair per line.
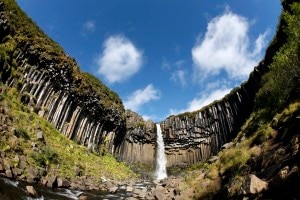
162, 57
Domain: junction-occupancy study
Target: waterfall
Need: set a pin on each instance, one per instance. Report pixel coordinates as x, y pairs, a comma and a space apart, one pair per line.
161, 162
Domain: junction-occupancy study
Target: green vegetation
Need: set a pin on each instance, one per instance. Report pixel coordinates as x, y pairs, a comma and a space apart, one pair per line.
25, 35
281, 85
277, 105
73, 159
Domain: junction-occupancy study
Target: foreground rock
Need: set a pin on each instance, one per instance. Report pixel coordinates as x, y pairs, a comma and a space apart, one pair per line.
31, 191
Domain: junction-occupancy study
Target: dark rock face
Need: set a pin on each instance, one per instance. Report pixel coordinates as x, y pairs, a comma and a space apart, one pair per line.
52, 87
139, 143
196, 136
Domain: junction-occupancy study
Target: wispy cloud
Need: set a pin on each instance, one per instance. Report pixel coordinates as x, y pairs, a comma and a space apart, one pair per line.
203, 100
120, 59
227, 46
89, 27
179, 76
140, 97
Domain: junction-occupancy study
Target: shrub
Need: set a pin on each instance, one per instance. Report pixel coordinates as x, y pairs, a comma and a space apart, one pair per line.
20, 132
46, 156
281, 84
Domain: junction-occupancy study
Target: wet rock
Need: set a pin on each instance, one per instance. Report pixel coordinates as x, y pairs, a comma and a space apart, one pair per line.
83, 197
129, 189
31, 191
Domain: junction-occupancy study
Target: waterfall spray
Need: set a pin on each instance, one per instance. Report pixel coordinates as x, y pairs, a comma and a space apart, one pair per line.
161, 162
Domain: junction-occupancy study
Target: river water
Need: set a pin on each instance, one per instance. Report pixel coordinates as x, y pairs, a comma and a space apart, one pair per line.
15, 190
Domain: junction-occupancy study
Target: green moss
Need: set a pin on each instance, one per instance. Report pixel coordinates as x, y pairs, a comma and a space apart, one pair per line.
25, 35
57, 149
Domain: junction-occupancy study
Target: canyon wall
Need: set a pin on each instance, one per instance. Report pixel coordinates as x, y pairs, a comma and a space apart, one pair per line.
86, 111
50, 82
195, 136
139, 143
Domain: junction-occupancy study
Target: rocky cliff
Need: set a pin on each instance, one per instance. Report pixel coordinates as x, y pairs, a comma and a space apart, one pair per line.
86, 111
191, 137
50, 82
196, 136
139, 143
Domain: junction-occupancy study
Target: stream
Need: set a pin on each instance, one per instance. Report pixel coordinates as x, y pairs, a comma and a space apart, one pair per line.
15, 190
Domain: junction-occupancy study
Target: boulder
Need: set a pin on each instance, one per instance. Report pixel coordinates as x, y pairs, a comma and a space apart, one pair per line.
253, 185
113, 190
83, 197
32, 174
213, 159
52, 182
8, 173
141, 193
40, 136
129, 189
16, 171
31, 191
1, 168
227, 145
61, 183
160, 193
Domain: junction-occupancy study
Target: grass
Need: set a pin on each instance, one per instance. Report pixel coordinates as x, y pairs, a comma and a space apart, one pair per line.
57, 149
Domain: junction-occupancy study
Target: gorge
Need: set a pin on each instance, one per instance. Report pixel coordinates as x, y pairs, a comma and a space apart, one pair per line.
43, 94
54, 88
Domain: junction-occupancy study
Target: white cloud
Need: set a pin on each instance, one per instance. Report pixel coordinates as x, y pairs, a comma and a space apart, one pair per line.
119, 60
141, 97
89, 26
179, 76
203, 100
226, 46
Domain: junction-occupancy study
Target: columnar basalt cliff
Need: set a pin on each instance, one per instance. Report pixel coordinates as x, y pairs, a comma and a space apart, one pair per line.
191, 137
86, 111
196, 136
50, 82
139, 143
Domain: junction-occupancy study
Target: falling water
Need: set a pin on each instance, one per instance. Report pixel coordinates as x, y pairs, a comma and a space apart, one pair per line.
161, 162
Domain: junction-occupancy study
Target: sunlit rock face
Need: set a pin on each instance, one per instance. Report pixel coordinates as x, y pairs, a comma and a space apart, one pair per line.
51, 83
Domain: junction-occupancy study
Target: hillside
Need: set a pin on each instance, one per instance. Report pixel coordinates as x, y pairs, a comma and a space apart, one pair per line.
262, 162
59, 122
46, 101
